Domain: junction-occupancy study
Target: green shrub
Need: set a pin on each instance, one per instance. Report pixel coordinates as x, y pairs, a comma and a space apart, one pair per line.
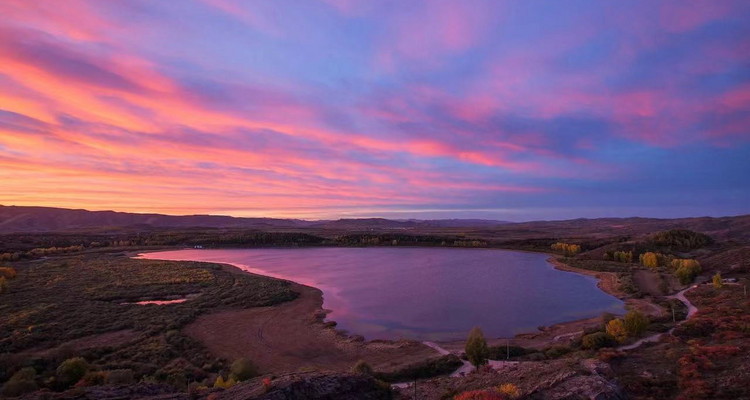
598, 340
557, 351
362, 367
635, 323
685, 270
502, 352
93, 378
422, 369
476, 347
243, 369
71, 371
21, 382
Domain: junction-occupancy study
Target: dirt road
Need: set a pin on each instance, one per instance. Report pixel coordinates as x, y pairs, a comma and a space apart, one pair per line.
655, 338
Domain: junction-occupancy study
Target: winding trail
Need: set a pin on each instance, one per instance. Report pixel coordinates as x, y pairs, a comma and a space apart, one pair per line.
497, 364
655, 338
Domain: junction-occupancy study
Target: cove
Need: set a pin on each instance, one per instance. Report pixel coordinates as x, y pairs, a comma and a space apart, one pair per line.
425, 293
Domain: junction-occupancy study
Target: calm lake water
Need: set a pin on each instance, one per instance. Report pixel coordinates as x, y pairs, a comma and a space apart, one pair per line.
426, 293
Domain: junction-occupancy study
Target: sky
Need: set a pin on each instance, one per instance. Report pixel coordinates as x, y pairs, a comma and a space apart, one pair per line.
517, 110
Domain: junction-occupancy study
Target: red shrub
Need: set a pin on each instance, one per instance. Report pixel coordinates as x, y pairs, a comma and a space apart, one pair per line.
480, 395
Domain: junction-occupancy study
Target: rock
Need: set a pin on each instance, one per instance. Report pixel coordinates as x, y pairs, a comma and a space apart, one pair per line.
310, 386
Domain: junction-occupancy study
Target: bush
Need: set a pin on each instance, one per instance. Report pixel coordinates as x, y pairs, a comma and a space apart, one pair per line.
557, 351
71, 371
422, 369
635, 323
362, 367
8, 272
502, 352
120, 377
717, 282
509, 390
243, 369
476, 347
685, 270
480, 395
92, 378
220, 383
616, 329
598, 340
21, 382
623, 256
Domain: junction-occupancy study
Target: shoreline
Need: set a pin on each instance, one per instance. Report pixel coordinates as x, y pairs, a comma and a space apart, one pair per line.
606, 281
552, 334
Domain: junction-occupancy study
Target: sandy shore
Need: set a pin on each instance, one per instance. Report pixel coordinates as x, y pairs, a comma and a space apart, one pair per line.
608, 281
292, 337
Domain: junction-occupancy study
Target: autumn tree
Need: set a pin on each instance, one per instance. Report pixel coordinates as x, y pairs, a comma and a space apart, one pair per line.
649, 260
623, 256
476, 347
566, 248
616, 329
685, 269
717, 281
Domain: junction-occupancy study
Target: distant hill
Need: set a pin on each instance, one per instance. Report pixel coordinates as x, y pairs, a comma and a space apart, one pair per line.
722, 228
46, 219
18, 219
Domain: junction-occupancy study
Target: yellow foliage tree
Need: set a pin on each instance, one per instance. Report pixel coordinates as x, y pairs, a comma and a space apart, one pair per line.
509, 390
624, 256
616, 329
650, 260
718, 283
568, 249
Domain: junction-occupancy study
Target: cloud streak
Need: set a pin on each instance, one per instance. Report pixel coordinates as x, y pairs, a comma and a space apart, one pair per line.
349, 106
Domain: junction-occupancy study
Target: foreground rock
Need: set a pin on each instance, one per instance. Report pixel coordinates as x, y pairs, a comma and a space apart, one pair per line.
564, 379
305, 386
310, 386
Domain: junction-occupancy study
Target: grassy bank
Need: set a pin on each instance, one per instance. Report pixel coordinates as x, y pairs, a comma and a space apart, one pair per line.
54, 301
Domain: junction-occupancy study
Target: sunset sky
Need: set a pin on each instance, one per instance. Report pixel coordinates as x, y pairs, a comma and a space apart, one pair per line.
402, 109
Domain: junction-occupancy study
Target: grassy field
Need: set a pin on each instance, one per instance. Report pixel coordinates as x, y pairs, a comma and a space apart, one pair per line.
54, 301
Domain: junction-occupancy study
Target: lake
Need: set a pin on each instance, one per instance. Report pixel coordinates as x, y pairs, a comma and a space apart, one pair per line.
426, 293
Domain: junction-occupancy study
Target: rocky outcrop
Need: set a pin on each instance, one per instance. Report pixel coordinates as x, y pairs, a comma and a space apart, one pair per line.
312, 386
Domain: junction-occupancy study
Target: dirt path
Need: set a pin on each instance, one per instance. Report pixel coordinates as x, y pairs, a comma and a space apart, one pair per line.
655, 338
